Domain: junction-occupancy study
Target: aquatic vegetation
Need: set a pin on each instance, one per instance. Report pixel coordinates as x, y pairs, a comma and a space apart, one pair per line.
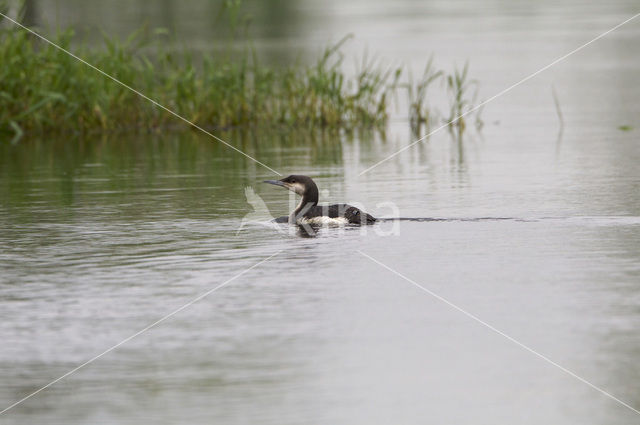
419, 112
458, 88
44, 90
462, 100
556, 102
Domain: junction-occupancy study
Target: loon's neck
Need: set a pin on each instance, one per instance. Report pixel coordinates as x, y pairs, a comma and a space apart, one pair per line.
308, 201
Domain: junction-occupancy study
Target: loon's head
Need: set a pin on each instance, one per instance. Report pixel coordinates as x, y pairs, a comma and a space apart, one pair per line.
302, 185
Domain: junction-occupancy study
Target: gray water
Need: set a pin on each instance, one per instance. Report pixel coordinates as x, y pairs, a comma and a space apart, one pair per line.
103, 236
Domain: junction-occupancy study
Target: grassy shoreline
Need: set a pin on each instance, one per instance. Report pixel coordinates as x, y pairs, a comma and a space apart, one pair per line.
44, 90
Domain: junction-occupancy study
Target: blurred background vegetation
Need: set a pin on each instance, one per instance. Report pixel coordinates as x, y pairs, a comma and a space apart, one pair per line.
224, 78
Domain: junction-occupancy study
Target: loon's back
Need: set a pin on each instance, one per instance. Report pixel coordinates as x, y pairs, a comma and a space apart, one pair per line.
351, 214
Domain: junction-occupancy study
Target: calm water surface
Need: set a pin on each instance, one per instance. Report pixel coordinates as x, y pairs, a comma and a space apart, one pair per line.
101, 237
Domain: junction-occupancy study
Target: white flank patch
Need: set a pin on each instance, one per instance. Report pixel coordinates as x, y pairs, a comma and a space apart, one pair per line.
324, 220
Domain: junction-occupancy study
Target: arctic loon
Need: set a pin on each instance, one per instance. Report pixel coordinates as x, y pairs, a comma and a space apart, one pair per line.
309, 211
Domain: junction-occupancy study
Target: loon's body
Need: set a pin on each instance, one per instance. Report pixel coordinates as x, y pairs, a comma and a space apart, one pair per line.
308, 211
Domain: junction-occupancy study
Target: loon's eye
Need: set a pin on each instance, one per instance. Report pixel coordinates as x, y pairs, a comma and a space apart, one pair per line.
293, 181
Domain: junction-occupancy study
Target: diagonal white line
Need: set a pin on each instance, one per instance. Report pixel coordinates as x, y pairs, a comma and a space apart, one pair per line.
480, 105
208, 133
499, 332
141, 331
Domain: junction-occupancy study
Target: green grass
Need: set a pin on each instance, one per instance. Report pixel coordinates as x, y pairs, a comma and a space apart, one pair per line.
463, 95
44, 90
419, 112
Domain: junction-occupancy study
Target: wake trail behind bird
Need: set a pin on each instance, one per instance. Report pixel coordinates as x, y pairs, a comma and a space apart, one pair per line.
592, 220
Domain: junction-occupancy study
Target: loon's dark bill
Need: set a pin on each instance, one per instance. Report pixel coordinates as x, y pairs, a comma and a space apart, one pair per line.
275, 182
